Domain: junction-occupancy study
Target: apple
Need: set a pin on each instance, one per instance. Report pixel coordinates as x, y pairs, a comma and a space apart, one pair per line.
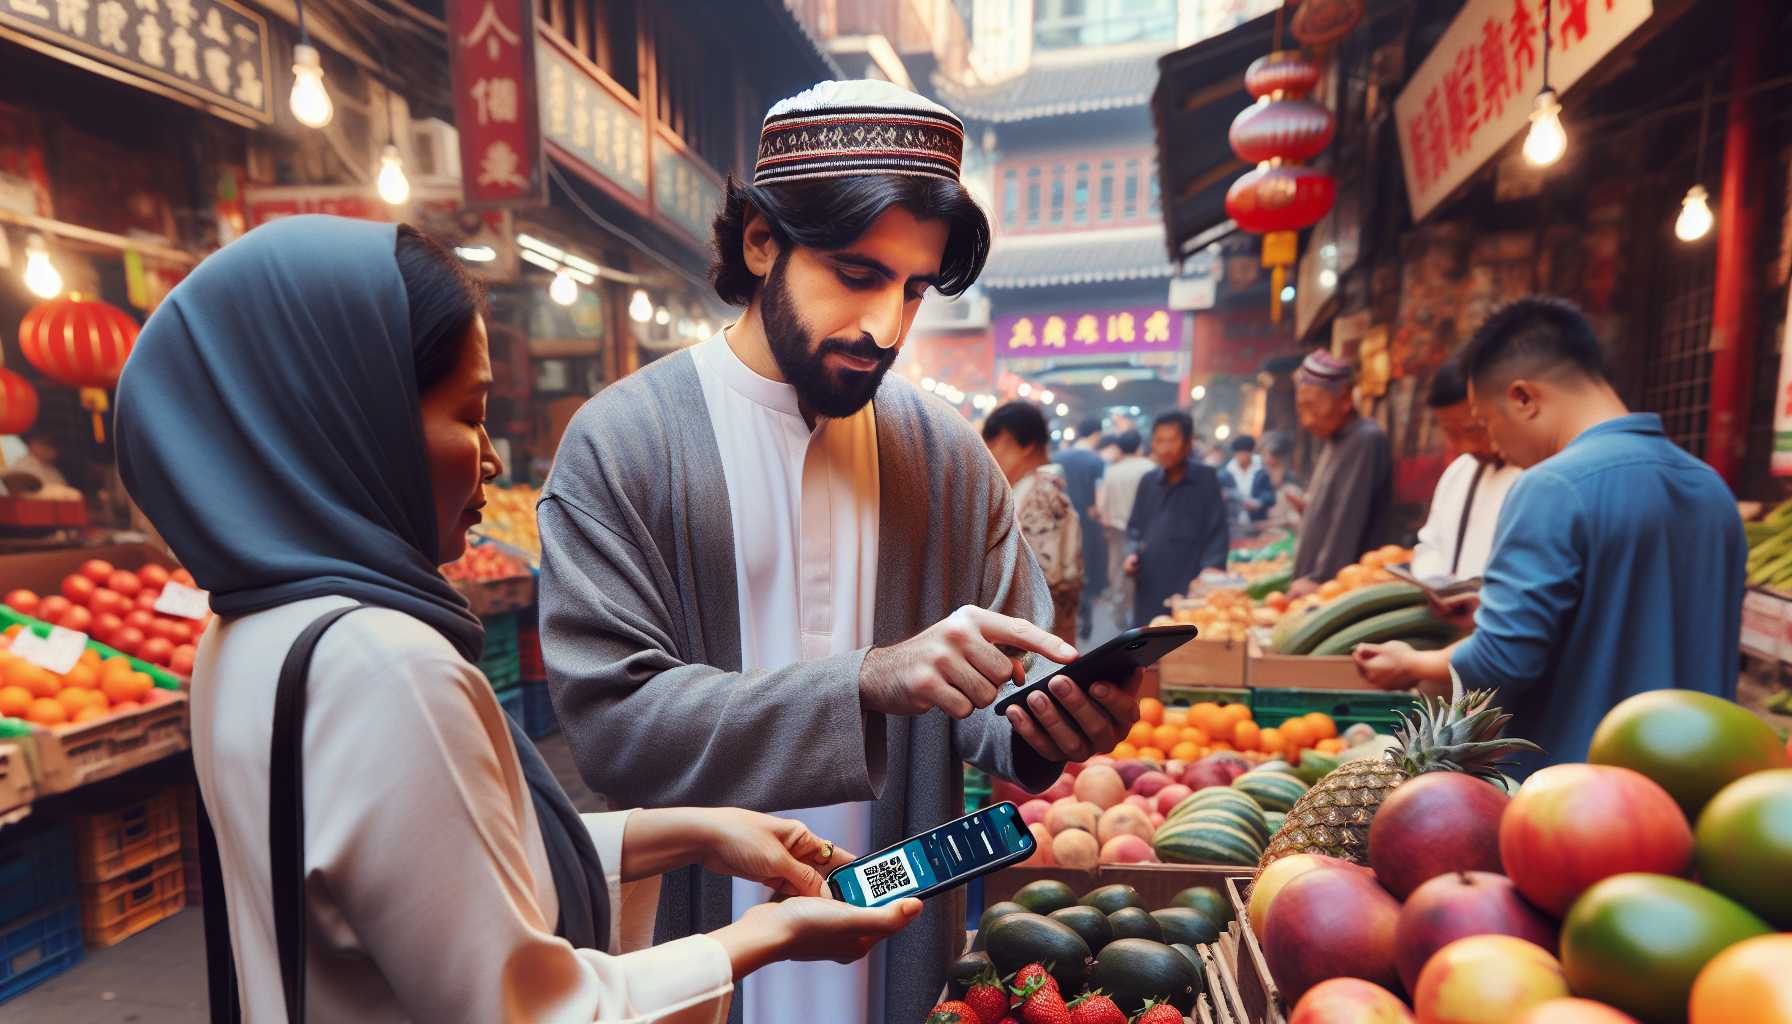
1150, 784
1349, 1001
1127, 849
97, 570
1042, 848
1034, 810
1065, 786
1279, 873
1215, 770
1331, 922
1131, 771
1435, 824
1169, 796
1460, 905
1573, 1011
1486, 979
1143, 803
1573, 825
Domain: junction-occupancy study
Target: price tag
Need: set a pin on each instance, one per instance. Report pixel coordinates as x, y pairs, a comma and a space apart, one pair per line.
58, 652
183, 602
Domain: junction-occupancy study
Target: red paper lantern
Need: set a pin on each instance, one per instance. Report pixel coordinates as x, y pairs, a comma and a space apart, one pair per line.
1288, 72
1320, 23
18, 403
1280, 198
81, 343
1281, 129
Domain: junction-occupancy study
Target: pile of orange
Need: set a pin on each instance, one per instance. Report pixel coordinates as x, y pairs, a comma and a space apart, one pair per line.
1187, 734
91, 690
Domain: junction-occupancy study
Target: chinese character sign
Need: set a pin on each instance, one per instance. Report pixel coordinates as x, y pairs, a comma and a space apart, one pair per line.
491, 46
1475, 90
592, 125
1095, 332
212, 50
682, 191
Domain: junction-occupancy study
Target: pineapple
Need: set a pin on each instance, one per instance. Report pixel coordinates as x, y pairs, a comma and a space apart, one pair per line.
1333, 817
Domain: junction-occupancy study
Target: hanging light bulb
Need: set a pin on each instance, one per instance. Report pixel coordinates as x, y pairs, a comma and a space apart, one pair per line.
1063, 409
394, 187
1547, 140
1110, 382
1046, 397
310, 100
564, 290
1694, 221
640, 307
1198, 392
662, 316
41, 276
1221, 432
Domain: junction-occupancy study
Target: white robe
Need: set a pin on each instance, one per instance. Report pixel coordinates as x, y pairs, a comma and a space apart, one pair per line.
805, 514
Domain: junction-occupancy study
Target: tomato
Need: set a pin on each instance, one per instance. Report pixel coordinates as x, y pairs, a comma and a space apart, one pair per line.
125, 583
22, 601
153, 577
1744, 844
1638, 941
105, 626
1692, 744
1571, 825
78, 588
77, 618
1746, 984
98, 570
51, 608
128, 639
156, 650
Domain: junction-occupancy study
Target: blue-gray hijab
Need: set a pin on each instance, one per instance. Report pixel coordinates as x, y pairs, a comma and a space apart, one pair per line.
268, 424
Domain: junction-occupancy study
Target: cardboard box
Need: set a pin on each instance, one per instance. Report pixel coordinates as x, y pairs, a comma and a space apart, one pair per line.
1302, 672
1204, 663
73, 756
42, 571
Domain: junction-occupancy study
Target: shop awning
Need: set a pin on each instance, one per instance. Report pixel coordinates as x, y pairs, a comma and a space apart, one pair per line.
1085, 257
1200, 89
1067, 82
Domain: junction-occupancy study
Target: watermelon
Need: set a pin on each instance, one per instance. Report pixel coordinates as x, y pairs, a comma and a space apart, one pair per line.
1273, 791
1207, 842
1275, 820
1213, 796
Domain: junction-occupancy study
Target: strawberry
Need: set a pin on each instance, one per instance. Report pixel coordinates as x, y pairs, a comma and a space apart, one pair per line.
988, 998
1158, 1013
1025, 976
953, 1012
1095, 1008
1040, 1002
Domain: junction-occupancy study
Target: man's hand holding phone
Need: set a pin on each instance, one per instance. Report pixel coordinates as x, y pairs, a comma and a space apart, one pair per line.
956, 665
1103, 715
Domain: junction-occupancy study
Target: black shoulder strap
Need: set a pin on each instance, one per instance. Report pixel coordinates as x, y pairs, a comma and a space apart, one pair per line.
286, 812
1468, 509
220, 961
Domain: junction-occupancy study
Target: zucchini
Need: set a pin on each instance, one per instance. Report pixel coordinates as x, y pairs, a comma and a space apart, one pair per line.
1269, 585
1399, 624
1346, 610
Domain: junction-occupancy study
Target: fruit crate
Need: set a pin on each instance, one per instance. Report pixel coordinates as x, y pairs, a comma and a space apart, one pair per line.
538, 709
1159, 883
163, 678
36, 949
1000, 886
114, 910
69, 757
114, 842
1346, 707
17, 787
511, 701
37, 870
1222, 998
500, 662
1261, 1001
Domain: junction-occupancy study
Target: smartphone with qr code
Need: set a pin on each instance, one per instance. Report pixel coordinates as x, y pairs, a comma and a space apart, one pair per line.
935, 861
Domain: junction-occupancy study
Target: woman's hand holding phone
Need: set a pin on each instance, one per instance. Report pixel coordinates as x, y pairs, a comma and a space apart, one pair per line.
810, 928
778, 853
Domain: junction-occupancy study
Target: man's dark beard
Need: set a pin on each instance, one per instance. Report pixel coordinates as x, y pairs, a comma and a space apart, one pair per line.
834, 394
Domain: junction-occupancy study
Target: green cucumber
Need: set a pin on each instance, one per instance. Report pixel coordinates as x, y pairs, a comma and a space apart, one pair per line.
1401, 623
1346, 610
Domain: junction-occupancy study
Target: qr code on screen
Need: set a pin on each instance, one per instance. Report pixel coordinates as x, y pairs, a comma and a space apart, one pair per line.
887, 876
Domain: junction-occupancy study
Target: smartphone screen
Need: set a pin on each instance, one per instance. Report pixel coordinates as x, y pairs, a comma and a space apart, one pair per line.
935, 861
1114, 661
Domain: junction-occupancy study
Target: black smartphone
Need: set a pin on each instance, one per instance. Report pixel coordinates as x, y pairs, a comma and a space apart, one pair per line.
935, 861
1114, 661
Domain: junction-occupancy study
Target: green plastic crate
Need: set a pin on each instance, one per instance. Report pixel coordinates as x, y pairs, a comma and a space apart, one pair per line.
1346, 707
501, 662
160, 676
1189, 696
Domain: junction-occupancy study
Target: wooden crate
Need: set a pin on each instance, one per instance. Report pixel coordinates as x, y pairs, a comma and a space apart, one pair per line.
70, 757
1222, 984
17, 787
1159, 883
999, 886
1302, 672
1204, 663
1261, 1000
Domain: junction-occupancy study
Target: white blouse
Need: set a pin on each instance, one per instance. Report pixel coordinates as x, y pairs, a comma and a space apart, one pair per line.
428, 889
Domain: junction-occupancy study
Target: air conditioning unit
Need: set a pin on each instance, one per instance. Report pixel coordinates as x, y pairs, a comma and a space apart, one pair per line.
435, 146
969, 311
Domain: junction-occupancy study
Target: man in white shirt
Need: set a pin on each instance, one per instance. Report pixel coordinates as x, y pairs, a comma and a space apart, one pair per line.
1457, 538
1114, 497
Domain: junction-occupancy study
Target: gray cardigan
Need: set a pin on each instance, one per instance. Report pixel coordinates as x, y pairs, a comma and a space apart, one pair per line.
640, 634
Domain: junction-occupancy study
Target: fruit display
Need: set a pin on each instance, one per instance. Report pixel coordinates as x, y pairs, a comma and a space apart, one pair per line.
117, 608
1588, 896
93, 689
1692, 744
1770, 549
510, 518
484, 562
1106, 956
1376, 613
1263, 604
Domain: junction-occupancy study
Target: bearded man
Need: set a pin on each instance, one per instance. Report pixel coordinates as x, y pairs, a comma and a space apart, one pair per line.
775, 578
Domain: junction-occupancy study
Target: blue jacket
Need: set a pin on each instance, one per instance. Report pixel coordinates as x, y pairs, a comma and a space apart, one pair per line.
1177, 530
1617, 567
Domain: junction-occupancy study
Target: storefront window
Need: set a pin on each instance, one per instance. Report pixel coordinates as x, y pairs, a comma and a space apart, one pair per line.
1132, 190
1058, 194
1081, 195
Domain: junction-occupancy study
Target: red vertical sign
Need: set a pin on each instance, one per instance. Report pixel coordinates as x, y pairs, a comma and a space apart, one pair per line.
492, 48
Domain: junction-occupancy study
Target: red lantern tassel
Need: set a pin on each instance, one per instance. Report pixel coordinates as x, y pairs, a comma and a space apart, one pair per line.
94, 401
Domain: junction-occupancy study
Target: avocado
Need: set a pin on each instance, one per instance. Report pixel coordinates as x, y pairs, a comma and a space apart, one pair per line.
965, 970
1190, 927
1021, 939
990, 915
1088, 922
1045, 896
1110, 898
1133, 923
1134, 970
1210, 902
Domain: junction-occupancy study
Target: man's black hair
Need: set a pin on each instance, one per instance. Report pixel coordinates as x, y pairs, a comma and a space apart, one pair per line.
1129, 441
1244, 443
1538, 336
1176, 418
1023, 421
832, 213
1449, 386
1089, 427
1108, 440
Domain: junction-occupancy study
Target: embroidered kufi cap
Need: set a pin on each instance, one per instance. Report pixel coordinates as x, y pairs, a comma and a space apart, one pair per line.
841, 129
1325, 370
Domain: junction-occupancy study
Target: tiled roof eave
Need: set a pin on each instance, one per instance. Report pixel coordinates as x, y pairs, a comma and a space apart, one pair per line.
1017, 281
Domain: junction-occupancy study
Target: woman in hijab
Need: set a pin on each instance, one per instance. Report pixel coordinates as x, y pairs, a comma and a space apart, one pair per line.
303, 421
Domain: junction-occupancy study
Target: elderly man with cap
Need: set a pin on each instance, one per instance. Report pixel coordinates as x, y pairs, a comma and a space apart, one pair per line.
775, 577
1349, 492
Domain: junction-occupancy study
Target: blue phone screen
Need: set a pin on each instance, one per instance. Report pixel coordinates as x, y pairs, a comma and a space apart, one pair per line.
932, 858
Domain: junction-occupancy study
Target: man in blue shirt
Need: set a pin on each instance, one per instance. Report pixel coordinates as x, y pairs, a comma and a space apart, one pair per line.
1618, 561
1178, 523
1083, 469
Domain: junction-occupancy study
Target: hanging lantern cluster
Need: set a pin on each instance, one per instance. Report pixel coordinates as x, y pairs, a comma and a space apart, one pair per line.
80, 343
1280, 132
18, 403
